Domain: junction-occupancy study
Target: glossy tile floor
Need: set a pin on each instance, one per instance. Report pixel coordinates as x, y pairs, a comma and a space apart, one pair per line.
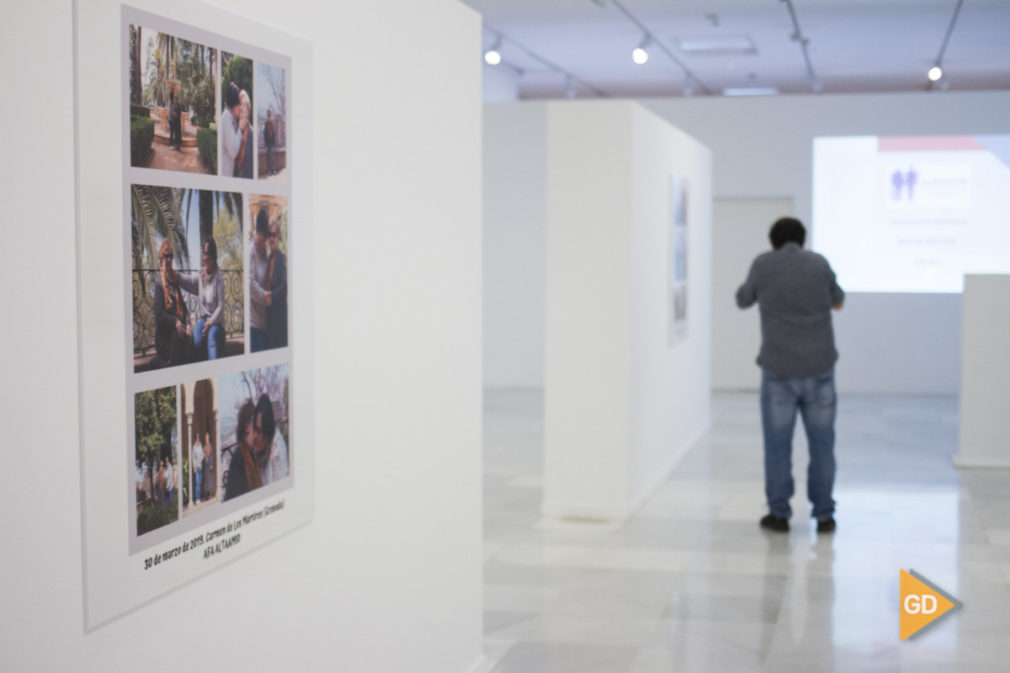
692, 584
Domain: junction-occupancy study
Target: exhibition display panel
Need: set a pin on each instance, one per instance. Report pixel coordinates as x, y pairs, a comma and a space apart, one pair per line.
194, 449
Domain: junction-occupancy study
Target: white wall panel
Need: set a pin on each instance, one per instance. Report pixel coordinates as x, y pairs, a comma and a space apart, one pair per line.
387, 577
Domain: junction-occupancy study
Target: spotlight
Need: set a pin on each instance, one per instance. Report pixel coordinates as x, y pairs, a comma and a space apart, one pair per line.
639, 55
492, 56
935, 73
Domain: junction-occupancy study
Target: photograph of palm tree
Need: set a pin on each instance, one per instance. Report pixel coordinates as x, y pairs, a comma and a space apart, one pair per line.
172, 100
188, 295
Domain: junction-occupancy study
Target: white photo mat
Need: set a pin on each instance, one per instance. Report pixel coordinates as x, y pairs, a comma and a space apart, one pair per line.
124, 569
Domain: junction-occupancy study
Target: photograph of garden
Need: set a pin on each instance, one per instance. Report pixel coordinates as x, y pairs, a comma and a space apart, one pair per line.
188, 294
271, 120
172, 101
238, 128
156, 459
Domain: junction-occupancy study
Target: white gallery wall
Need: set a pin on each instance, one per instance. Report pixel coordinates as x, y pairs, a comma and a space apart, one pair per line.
498, 84
622, 401
515, 208
739, 233
387, 576
985, 398
762, 151
762, 148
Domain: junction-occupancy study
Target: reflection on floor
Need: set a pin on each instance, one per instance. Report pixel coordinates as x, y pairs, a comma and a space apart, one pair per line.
692, 584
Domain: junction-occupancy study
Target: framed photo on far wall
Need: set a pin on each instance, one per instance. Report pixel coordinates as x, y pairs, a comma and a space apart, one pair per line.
677, 285
197, 425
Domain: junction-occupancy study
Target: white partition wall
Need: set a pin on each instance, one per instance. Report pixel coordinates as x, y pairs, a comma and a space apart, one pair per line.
387, 576
621, 402
985, 370
515, 210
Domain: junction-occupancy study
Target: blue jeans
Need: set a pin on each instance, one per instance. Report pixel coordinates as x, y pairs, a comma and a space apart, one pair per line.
215, 339
198, 473
815, 398
258, 339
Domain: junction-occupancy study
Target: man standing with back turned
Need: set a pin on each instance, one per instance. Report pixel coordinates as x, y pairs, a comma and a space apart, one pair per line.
795, 290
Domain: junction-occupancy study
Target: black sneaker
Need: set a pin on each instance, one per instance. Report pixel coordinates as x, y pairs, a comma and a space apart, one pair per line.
826, 525
776, 523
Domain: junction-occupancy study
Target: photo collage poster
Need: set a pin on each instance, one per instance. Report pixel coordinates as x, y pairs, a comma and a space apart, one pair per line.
209, 237
204, 465
678, 259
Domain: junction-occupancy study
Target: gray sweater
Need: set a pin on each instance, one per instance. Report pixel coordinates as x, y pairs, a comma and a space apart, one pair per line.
211, 307
258, 266
795, 290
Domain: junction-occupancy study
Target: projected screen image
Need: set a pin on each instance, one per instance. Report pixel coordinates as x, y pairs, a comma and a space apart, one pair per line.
912, 213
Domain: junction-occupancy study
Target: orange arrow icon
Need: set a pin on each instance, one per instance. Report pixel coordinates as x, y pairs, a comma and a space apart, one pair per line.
923, 604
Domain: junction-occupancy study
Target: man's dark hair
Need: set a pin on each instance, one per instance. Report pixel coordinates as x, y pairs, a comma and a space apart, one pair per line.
263, 222
265, 410
787, 230
231, 95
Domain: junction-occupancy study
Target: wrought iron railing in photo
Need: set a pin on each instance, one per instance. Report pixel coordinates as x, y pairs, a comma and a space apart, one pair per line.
143, 306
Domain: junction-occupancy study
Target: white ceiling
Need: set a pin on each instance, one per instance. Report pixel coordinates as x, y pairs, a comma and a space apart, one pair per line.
854, 45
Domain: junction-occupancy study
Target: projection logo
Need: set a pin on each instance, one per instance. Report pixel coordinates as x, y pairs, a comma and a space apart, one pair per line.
923, 604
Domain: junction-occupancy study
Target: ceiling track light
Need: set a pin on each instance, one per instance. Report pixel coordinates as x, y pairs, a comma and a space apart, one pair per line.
935, 74
569, 77
815, 84
493, 55
650, 39
640, 54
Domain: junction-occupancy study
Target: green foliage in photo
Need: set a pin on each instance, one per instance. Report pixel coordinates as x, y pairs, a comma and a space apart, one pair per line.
151, 517
155, 214
240, 71
228, 232
155, 421
195, 71
141, 137
206, 142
